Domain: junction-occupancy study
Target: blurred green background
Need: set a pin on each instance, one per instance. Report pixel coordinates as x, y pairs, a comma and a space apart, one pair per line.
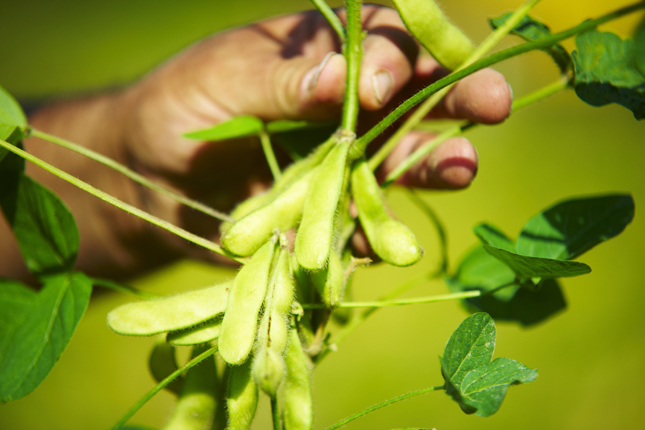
591, 358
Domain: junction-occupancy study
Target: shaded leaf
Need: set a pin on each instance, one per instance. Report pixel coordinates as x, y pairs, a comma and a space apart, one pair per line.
531, 29
471, 379
162, 363
639, 48
239, 126
12, 120
44, 228
573, 227
534, 267
37, 342
491, 235
605, 72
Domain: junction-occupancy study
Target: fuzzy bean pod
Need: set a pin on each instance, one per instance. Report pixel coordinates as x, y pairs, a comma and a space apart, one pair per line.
248, 234
242, 397
268, 362
241, 318
427, 23
330, 281
203, 333
391, 240
316, 232
171, 313
298, 406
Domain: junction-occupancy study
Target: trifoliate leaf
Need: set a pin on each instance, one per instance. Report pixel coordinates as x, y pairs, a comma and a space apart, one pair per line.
491, 235
534, 267
606, 72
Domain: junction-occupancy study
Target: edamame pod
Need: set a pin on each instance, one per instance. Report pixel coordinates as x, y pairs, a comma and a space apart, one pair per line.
268, 364
245, 300
248, 234
195, 409
203, 333
391, 240
162, 363
427, 23
171, 313
298, 406
242, 397
316, 232
330, 281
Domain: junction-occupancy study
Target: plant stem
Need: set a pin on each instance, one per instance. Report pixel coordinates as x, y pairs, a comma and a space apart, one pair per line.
413, 301
331, 18
116, 286
418, 115
353, 52
118, 203
201, 357
421, 152
275, 413
138, 178
270, 155
363, 141
384, 404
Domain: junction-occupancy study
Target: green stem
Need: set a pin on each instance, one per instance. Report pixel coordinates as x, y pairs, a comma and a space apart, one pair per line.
413, 301
331, 18
270, 155
353, 52
441, 231
140, 179
118, 203
363, 141
116, 286
418, 115
275, 413
457, 130
201, 357
384, 404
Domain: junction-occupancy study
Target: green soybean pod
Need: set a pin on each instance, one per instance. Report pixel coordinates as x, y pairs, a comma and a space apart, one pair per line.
316, 232
427, 23
196, 406
330, 281
391, 240
298, 405
242, 397
245, 300
268, 362
162, 363
148, 317
304, 291
248, 234
203, 333
342, 316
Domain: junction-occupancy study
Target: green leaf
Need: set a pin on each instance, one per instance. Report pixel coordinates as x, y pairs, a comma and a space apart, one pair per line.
534, 267
239, 126
491, 235
44, 227
572, 227
15, 300
531, 29
471, 379
45, 328
484, 388
639, 47
605, 72
285, 125
162, 363
12, 120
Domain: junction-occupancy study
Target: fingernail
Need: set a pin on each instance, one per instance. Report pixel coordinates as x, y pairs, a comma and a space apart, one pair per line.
382, 83
310, 80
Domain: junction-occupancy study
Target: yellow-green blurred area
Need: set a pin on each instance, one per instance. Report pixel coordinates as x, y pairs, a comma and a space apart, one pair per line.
591, 357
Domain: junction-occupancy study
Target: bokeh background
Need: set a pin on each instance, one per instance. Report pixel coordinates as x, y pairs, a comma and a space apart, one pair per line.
591, 357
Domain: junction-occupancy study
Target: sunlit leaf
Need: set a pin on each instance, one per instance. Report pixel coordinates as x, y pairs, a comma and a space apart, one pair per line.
531, 29
535, 267
43, 226
239, 126
491, 235
45, 328
12, 120
605, 72
475, 382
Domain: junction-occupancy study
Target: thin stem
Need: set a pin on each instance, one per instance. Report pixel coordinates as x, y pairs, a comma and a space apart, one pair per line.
201, 357
116, 286
384, 404
353, 52
138, 178
363, 141
270, 155
331, 18
413, 301
118, 203
275, 412
418, 115
457, 130
436, 222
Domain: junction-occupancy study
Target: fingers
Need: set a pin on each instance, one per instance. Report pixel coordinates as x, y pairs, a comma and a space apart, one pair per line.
452, 165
